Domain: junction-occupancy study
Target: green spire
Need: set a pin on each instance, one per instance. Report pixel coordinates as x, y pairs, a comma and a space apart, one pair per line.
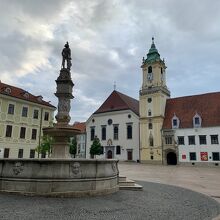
153, 54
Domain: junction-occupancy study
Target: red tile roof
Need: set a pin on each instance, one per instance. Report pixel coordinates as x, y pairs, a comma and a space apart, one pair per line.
22, 94
118, 101
185, 108
80, 126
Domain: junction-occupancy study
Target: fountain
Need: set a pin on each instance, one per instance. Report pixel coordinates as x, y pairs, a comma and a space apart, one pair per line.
60, 175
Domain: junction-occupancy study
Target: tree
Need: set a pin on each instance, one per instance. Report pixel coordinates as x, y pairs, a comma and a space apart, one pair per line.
45, 145
73, 147
95, 147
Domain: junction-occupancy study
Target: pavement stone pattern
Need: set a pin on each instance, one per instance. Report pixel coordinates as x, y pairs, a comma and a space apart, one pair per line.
204, 179
155, 202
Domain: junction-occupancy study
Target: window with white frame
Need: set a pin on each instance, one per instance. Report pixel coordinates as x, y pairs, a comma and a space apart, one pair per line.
175, 121
197, 121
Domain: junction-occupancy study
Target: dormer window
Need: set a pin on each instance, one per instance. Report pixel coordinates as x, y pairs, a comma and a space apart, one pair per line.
175, 122
39, 98
8, 90
197, 121
26, 95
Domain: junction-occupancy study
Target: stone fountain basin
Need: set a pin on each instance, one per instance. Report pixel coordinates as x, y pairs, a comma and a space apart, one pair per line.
59, 177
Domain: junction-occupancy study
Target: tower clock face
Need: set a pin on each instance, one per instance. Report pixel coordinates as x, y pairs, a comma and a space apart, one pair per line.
150, 76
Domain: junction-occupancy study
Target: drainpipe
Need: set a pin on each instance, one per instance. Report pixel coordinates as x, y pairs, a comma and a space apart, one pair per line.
40, 130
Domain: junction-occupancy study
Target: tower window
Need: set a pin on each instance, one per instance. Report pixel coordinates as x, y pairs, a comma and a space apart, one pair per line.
150, 69
149, 112
150, 126
149, 100
161, 70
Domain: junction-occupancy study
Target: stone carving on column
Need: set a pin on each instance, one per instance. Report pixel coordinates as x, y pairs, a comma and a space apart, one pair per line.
64, 105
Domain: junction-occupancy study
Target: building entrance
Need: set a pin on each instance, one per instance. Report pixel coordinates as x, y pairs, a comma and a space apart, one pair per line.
171, 158
109, 154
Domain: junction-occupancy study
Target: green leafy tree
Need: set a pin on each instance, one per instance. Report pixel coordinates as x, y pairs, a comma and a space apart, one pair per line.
95, 147
45, 145
73, 147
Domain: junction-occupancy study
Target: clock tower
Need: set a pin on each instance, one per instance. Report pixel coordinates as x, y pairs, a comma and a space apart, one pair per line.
153, 96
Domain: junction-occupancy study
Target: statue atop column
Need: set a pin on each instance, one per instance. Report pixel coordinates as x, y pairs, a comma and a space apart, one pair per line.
66, 54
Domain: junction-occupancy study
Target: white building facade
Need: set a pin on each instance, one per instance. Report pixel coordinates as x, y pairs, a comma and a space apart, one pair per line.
117, 127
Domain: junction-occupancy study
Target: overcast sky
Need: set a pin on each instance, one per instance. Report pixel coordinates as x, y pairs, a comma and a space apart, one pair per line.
108, 39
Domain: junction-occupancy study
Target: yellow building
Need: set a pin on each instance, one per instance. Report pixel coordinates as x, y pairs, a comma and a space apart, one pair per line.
22, 117
153, 96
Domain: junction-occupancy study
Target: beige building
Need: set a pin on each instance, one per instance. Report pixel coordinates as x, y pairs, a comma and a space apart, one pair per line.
153, 96
22, 117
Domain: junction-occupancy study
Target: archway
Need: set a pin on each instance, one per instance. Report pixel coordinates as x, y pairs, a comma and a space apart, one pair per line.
109, 154
171, 158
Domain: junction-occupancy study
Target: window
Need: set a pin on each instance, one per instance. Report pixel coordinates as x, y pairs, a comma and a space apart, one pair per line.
32, 153
11, 109
118, 149
22, 132
192, 155
149, 112
43, 155
92, 133
149, 100
20, 153
150, 69
129, 131
34, 134
6, 153
175, 122
151, 140
35, 115
24, 112
202, 139
46, 116
103, 132
197, 121
191, 140
8, 131
150, 126
215, 156
115, 132
181, 140
214, 139
168, 140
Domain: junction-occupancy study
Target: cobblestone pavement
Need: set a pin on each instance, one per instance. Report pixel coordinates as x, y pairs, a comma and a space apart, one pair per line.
205, 180
155, 202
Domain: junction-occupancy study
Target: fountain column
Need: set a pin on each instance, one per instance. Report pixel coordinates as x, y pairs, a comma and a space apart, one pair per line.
62, 131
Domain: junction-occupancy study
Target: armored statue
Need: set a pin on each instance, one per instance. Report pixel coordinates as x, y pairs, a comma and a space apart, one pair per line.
66, 54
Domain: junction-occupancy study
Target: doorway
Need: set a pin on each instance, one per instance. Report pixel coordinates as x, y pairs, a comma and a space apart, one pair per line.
130, 155
109, 154
171, 158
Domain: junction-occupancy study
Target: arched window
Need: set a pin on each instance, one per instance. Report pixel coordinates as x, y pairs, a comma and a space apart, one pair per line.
92, 133
118, 149
150, 69
150, 126
151, 140
129, 131
115, 132
103, 132
149, 112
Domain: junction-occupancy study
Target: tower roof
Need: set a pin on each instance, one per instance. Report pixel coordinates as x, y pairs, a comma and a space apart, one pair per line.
153, 54
118, 101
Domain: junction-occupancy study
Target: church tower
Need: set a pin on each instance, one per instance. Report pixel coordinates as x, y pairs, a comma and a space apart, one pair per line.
153, 95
